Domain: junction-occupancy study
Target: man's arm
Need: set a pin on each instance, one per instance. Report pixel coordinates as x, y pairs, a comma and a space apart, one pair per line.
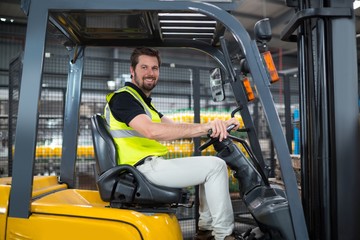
168, 130
165, 119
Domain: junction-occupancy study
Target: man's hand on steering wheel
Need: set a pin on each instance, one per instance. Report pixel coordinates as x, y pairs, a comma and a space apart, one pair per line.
219, 128
233, 121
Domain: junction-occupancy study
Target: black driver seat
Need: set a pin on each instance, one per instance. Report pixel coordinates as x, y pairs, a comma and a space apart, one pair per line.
123, 185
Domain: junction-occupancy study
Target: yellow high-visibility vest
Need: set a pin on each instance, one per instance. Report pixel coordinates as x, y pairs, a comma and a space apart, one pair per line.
131, 145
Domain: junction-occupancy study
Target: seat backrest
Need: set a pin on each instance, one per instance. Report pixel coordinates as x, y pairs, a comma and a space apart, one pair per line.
123, 185
106, 154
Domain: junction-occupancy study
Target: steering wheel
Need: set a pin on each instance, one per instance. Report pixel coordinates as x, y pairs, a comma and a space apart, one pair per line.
213, 140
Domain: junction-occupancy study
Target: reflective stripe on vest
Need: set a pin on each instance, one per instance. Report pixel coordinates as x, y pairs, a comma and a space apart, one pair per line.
124, 133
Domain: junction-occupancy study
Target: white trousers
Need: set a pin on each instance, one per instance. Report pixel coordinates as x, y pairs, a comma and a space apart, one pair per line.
211, 174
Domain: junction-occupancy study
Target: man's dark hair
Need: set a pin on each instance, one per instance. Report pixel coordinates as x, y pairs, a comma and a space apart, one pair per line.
143, 51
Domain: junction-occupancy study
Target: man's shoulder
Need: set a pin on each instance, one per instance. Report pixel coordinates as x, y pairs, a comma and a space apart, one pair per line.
122, 93
122, 96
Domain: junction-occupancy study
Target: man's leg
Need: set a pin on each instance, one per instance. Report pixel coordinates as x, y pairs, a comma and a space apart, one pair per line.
205, 219
219, 204
191, 171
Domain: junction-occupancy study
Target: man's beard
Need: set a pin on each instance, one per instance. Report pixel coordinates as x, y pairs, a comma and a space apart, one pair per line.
144, 85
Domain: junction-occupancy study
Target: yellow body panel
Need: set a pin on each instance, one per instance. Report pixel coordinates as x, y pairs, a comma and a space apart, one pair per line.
81, 214
4, 198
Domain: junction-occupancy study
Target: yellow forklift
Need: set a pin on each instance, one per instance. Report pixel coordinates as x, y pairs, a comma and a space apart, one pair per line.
51, 208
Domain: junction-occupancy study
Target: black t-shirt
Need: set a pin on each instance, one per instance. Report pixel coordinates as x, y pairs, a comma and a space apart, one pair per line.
125, 107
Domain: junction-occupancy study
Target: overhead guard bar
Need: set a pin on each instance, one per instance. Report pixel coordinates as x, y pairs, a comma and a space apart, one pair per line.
300, 16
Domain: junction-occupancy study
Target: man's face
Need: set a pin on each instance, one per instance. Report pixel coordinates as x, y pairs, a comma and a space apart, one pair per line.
146, 73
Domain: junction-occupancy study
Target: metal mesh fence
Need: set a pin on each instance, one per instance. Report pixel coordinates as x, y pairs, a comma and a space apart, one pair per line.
50, 125
14, 92
3, 132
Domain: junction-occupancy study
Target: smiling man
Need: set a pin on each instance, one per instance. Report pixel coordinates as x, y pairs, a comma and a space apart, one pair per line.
137, 127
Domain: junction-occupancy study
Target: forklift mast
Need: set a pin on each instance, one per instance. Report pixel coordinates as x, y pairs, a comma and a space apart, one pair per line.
328, 83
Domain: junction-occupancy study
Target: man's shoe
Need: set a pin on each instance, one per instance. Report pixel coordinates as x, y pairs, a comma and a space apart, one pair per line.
204, 235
